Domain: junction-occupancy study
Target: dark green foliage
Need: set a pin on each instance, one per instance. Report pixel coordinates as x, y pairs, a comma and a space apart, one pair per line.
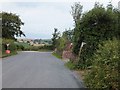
35, 48
55, 37
62, 41
12, 46
68, 34
46, 47
105, 70
11, 25
76, 13
95, 26
20, 47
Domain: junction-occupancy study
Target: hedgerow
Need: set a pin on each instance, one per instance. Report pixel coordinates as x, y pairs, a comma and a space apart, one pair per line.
105, 70
12, 47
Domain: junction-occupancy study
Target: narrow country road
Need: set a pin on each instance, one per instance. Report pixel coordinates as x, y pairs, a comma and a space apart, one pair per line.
36, 70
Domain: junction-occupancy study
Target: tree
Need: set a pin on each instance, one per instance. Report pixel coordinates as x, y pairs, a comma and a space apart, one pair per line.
63, 40
11, 25
95, 26
60, 44
68, 34
76, 13
55, 37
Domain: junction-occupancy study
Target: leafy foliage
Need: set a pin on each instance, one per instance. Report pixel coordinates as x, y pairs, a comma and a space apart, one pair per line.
55, 37
12, 47
76, 13
22, 45
105, 70
62, 41
11, 25
68, 34
99, 24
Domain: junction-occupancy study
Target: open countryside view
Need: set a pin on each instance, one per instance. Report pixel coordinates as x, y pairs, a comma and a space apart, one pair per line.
60, 44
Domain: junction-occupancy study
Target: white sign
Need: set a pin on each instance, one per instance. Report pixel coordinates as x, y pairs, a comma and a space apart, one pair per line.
83, 43
7, 45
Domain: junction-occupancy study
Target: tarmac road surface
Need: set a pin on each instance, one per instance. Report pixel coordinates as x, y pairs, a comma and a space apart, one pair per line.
32, 69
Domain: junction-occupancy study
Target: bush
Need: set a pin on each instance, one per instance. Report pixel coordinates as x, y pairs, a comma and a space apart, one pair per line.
38, 48
96, 25
45, 47
11, 46
105, 72
20, 47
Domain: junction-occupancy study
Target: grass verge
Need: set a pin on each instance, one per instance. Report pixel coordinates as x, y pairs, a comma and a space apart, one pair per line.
6, 55
70, 65
57, 55
73, 67
45, 50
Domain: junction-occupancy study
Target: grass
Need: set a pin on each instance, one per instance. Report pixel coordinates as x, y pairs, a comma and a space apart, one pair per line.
57, 55
70, 65
6, 55
44, 50
79, 72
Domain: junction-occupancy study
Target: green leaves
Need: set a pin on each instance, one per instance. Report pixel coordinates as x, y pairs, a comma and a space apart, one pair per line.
97, 25
105, 72
11, 25
55, 37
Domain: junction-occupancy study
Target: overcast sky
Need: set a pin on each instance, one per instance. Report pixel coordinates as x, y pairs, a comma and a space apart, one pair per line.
41, 18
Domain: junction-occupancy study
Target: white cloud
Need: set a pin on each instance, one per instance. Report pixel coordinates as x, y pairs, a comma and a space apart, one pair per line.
41, 18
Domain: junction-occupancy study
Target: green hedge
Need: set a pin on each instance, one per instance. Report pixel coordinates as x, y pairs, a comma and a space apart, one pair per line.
12, 47
105, 72
35, 48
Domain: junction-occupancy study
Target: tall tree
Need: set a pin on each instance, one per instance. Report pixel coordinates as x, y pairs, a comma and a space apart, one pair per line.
55, 37
11, 25
68, 34
76, 13
99, 24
